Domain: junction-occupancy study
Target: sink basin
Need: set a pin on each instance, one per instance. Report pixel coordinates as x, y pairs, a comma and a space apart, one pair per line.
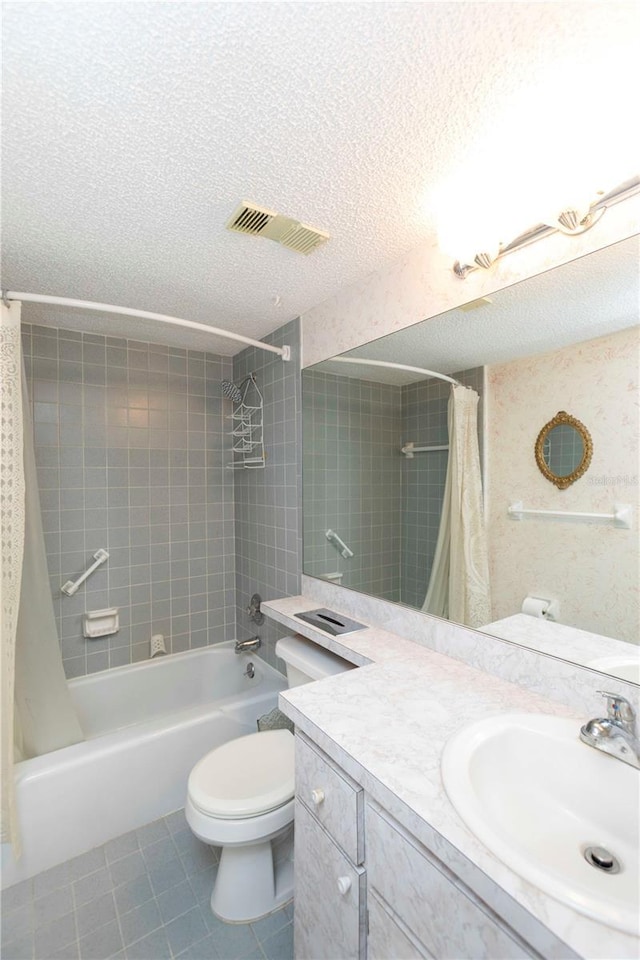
625, 667
538, 798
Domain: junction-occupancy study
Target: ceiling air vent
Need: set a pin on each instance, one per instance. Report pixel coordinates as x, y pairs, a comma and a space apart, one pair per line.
302, 238
249, 218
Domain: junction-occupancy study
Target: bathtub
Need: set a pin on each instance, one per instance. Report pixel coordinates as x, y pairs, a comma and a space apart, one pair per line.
146, 726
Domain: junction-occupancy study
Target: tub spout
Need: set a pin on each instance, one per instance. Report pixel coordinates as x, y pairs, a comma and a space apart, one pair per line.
248, 646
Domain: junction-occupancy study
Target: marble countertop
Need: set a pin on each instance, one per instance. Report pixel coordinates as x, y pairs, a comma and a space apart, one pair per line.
387, 724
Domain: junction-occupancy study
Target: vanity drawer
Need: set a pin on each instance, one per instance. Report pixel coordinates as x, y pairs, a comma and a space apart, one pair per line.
447, 920
329, 919
335, 801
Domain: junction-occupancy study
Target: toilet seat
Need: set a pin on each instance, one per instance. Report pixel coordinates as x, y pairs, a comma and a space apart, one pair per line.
246, 777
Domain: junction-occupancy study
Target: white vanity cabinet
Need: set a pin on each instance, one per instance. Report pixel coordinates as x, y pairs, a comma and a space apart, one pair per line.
406, 904
330, 893
436, 913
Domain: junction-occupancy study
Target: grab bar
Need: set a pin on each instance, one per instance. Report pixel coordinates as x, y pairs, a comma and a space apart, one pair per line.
410, 448
621, 516
70, 587
339, 544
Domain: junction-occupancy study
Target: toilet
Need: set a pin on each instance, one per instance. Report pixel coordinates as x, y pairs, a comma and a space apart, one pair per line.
240, 797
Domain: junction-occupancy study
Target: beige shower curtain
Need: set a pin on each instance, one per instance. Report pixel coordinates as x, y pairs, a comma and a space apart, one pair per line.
37, 713
12, 514
45, 718
459, 583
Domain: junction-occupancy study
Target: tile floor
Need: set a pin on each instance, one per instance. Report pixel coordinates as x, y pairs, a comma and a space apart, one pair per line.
142, 896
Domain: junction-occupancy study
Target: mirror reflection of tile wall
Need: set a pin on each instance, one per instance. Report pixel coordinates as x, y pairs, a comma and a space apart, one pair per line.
384, 506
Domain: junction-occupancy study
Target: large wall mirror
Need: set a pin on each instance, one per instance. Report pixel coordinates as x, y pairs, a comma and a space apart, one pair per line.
376, 453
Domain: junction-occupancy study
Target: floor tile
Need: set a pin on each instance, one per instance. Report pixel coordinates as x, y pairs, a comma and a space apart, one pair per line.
55, 935
198, 859
55, 904
50, 880
18, 923
202, 950
269, 925
159, 852
121, 846
166, 875
70, 952
127, 868
86, 863
21, 949
19, 895
176, 900
152, 947
95, 914
280, 945
92, 886
185, 930
202, 883
132, 894
102, 944
176, 821
152, 832
231, 940
140, 922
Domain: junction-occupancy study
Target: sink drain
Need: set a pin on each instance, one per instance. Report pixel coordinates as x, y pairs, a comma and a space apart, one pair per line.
601, 858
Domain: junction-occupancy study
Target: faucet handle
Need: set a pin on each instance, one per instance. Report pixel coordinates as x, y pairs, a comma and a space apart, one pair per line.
619, 709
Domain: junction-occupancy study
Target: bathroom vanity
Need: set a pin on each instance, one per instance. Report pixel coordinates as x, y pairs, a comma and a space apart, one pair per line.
385, 866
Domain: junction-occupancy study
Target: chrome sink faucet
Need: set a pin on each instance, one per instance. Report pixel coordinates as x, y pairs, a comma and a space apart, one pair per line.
616, 733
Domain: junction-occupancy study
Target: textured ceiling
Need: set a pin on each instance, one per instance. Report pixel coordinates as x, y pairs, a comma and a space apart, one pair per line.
588, 298
132, 130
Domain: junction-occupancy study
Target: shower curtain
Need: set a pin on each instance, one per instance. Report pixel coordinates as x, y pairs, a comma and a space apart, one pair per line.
45, 718
12, 509
37, 714
459, 583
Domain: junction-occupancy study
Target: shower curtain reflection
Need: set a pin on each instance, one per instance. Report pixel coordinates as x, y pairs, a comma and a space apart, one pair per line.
459, 583
45, 719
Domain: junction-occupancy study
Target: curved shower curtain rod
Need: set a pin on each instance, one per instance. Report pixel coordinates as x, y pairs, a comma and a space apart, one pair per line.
284, 352
396, 366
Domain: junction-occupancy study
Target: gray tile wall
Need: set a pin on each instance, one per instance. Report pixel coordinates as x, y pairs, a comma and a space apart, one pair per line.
267, 502
352, 470
424, 420
131, 448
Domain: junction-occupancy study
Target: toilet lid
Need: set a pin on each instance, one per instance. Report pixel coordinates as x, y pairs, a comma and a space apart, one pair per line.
245, 777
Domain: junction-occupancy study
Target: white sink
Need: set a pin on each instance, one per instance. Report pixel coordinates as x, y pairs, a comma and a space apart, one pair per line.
625, 667
538, 797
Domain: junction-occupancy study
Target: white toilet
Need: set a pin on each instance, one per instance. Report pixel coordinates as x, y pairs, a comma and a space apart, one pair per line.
240, 798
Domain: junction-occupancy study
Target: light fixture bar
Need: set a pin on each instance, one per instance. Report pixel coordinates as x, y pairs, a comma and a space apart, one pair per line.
566, 222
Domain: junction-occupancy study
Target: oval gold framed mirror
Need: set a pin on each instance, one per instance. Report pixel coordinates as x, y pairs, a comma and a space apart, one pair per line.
563, 450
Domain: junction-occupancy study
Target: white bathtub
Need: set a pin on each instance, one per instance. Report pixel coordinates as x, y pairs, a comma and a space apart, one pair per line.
146, 726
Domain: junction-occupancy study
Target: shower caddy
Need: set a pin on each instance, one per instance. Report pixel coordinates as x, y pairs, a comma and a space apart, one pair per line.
248, 431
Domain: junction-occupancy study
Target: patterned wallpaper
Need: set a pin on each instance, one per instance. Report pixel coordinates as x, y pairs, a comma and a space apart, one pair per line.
592, 569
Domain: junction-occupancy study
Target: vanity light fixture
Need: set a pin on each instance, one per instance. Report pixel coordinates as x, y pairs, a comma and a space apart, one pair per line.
571, 222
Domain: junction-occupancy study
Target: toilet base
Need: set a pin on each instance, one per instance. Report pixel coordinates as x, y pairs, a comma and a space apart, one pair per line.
253, 881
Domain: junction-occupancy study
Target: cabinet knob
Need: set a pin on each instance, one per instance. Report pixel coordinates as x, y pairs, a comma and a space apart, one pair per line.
317, 796
344, 885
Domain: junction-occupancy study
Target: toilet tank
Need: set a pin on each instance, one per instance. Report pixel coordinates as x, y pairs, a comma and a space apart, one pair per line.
307, 661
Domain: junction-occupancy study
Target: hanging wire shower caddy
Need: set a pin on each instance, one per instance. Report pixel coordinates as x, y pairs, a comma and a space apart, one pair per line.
248, 430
